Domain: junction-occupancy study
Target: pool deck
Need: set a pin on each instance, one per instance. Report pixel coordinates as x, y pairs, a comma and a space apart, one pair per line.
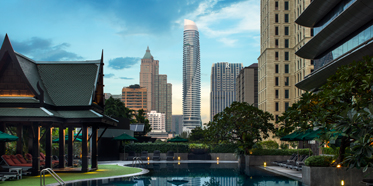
290, 173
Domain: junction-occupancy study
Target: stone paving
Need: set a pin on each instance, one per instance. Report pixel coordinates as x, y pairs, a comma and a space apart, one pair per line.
297, 175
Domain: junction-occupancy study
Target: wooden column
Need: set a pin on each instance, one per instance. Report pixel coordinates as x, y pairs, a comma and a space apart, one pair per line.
85, 149
35, 149
2, 144
94, 153
19, 149
48, 147
70, 147
30, 137
61, 147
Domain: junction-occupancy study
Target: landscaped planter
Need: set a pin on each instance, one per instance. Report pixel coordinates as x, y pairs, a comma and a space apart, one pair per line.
224, 156
199, 151
319, 176
251, 160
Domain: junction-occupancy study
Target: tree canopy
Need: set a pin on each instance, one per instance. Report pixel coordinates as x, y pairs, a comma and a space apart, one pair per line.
141, 118
240, 123
342, 106
116, 108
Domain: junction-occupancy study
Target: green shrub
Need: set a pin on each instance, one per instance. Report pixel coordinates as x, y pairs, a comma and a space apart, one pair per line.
328, 150
162, 147
319, 161
198, 146
223, 148
270, 144
261, 152
284, 146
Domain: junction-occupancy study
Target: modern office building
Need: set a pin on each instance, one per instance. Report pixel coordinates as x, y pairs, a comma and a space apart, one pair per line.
191, 77
157, 121
177, 124
247, 85
159, 91
135, 97
342, 33
278, 67
223, 86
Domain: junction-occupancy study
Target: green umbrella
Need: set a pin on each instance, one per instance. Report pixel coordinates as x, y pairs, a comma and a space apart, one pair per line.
78, 139
312, 135
287, 137
125, 137
4, 137
177, 139
300, 135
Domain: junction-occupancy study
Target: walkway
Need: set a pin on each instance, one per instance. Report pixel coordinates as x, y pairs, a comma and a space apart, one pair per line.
290, 173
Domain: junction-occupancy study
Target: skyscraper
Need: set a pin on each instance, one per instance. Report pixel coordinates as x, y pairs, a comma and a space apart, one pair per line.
223, 86
247, 85
134, 97
159, 91
191, 77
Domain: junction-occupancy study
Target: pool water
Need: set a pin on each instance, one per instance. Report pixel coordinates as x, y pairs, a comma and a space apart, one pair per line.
197, 174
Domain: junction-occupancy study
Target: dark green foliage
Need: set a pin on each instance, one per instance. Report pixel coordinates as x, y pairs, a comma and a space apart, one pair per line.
116, 108
141, 118
224, 148
270, 144
163, 147
241, 123
261, 152
197, 135
319, 161
284, 146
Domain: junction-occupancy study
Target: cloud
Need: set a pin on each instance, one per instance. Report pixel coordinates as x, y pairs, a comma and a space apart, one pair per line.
41, 49
109, 75
126, 78
123, 62
228, 42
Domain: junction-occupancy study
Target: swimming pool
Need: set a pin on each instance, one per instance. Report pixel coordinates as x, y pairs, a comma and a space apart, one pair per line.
197, 174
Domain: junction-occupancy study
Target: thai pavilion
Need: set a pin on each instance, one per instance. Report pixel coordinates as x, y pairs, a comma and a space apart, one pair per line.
52, 94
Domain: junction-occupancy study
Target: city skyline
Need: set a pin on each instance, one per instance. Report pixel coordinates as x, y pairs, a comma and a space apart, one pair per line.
73, 30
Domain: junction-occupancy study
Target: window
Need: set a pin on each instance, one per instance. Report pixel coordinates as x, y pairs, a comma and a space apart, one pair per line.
276, 56
276, 93
286, 81
276, 30
286, 5
286, 43
276, 68
286, 30
286, 56
276, 43
276, 106
286, 18
286, 105
276, 81
276, 18
286, 93
276, 5
286, 68
276, 118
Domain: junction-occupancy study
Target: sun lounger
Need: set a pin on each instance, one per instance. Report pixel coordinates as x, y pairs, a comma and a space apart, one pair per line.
285, 161
300, 164
10, 164
367, 182
29, 159
293, 164
131, 155
157, 155
170, 155
144, 155
42, 158
288, 161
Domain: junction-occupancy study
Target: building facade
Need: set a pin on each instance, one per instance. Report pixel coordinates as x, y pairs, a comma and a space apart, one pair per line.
247, 85
135, 97
191, 77
278, 67
159, 91
342, 33
157, 121
223, 86
177, 124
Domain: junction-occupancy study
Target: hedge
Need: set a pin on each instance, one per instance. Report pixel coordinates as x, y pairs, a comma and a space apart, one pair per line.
163, 147
223, 148
259, 152
319, 161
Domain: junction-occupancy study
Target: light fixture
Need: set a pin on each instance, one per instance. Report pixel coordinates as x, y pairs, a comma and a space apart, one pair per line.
338, 166
148, 158
265, 164
251, 152
342, 182
217, 158
178, 158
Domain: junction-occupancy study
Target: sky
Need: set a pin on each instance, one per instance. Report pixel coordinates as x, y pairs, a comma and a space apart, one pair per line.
69, 30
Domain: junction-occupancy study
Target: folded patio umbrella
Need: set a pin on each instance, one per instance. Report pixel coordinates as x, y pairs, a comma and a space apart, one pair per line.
4, 137
78, 139
124, 137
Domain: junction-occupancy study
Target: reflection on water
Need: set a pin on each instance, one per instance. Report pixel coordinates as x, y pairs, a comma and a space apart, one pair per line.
197, 174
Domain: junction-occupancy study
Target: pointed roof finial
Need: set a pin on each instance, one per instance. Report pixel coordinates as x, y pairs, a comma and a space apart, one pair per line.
147, 54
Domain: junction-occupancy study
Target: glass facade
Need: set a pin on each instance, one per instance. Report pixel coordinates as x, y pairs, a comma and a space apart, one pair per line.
353, 42
338, 9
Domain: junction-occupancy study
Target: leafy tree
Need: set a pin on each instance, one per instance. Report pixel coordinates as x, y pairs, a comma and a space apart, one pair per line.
140, 118
116, 108
341, 106
241, 123
184, 134
197, 134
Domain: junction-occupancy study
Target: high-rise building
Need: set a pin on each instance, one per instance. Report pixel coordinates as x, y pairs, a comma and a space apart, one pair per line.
157, 121
342, 33
191, 77
177, 124
159, 91
247, 85
278, 67
134, 97
223, 86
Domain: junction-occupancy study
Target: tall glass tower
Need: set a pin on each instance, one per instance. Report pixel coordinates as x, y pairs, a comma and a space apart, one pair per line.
191, 77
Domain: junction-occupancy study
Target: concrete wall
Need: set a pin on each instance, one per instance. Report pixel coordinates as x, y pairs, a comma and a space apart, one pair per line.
259, 160
319, 176
224, 156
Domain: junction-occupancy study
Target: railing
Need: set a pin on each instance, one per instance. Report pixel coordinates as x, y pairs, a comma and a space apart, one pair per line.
137, 160
53, 174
